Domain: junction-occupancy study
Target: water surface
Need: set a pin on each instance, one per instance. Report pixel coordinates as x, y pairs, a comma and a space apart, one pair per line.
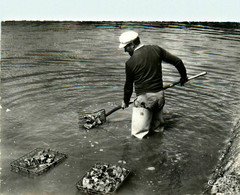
52, 73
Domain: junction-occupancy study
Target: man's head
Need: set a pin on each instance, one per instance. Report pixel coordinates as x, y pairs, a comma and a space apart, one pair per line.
129, 41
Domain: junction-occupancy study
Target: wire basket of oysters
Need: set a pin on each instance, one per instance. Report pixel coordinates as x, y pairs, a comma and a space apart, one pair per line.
103, 178
37, 161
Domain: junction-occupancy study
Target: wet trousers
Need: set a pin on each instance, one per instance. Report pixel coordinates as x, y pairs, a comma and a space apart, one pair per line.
147, 113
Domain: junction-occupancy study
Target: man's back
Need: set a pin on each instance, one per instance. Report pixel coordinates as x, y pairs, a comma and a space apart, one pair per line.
145, 68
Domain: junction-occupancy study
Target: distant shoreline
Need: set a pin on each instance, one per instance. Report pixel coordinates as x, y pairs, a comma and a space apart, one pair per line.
122, 24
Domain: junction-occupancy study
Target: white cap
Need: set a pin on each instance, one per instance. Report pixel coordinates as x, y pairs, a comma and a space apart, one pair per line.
126, 38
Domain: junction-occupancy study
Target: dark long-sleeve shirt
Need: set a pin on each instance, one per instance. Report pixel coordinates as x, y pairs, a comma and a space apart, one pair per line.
144, 70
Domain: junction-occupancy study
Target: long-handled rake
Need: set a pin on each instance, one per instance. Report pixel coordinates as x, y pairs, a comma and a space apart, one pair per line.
99, 117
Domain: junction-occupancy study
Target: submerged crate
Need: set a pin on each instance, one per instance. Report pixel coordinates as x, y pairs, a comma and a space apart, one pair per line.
37, 161
103, 178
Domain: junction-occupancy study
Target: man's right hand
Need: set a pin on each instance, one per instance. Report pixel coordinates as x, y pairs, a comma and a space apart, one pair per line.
124, 105
183, 80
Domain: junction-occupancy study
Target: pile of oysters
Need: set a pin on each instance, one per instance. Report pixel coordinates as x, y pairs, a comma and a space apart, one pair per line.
42, 158
103, 179
94, 120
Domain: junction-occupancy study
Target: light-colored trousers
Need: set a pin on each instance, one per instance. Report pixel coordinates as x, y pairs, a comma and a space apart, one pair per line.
147, 113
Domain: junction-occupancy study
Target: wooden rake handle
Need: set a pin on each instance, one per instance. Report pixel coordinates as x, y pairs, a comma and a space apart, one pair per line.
190, 78
165, 87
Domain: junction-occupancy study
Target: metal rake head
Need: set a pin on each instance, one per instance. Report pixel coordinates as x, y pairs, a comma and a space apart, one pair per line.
94, 119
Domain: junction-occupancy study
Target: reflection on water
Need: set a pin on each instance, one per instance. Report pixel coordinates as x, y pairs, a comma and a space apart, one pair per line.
54, 72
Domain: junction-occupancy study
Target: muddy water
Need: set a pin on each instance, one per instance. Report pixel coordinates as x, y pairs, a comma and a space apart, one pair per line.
52, 73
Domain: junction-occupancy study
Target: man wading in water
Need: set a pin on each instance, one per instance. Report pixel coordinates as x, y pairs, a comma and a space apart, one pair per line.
144, 70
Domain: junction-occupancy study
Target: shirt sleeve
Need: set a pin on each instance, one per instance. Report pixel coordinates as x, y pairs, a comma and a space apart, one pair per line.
175, 61
128, 87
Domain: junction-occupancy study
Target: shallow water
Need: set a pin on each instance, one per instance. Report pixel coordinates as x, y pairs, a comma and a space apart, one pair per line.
52, 73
